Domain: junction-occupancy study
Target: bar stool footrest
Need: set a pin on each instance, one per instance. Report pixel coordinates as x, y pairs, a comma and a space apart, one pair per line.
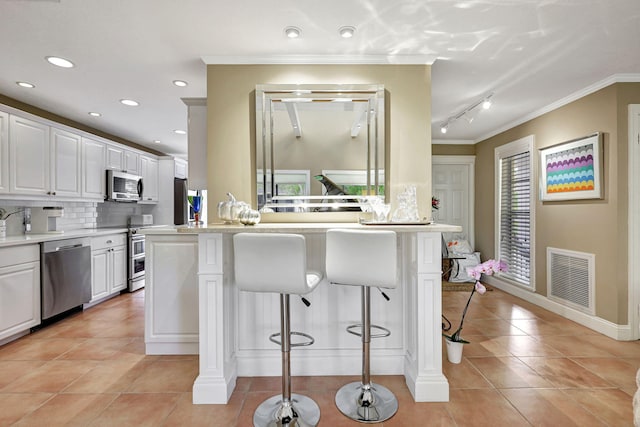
353, 329
273, 338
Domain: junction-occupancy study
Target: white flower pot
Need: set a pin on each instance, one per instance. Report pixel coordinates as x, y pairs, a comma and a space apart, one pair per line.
3, 228
454, 351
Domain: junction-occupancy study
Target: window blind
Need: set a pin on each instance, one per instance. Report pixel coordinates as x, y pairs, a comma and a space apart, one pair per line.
515, 216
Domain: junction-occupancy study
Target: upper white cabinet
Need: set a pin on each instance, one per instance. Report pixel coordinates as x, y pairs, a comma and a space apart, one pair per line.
181, 168
66, 163
4, 152
40, 160
44, 161
149, 173
131, 162
29, 156
121, 159
115, 157
93, 169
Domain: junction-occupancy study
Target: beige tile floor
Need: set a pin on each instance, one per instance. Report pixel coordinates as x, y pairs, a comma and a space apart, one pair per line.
524, 366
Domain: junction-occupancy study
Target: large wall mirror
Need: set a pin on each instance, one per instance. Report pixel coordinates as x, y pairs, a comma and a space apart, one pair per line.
317, 144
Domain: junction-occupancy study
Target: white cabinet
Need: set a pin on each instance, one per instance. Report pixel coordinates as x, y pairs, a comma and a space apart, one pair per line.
93, 169
149, 173
29, 156
121, 159
4, 152
181, 169
19, 289
44, 161
108, 265
115, 158
131, 160
171, 294
66, 163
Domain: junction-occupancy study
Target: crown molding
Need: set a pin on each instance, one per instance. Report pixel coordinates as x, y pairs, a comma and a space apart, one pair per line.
615, 78
320, 59
453, 141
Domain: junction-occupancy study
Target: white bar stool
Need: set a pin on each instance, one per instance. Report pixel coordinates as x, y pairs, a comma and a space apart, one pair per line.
271, 262
366, 259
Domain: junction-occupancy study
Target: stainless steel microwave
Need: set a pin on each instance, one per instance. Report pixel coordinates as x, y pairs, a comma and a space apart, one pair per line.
123, 187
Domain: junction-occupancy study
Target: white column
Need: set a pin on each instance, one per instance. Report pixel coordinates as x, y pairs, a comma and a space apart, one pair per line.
422, 262
218, 372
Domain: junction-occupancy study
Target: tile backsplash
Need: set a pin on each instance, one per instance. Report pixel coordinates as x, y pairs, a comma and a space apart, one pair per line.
77, 215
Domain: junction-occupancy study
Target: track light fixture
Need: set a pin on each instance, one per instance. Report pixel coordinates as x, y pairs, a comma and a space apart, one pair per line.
468, 112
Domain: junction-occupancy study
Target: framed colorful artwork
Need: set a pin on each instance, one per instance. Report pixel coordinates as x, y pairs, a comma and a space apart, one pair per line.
572, 170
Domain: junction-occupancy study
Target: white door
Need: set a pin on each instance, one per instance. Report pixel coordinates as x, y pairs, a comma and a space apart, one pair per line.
93, 169
634, 221
115, 158
66, 163
29, 156
453, 185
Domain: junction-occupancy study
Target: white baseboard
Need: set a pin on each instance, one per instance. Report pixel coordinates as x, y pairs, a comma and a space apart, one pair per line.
605, 327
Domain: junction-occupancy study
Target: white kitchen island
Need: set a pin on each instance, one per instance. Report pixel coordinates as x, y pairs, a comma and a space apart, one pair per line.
192, 306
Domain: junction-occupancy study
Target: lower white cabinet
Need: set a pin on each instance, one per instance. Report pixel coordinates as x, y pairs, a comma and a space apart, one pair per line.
19, 289
108, 265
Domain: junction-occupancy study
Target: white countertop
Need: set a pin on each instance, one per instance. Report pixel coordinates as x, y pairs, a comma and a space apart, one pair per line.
26, 239
302, 227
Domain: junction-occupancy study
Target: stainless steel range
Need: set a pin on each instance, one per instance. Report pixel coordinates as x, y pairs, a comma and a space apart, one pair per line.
136, 253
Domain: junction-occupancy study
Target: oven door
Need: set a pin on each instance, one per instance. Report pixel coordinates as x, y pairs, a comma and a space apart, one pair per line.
136, 267
136, 246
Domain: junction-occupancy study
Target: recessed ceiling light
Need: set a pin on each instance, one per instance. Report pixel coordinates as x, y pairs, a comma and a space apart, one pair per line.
292, 32
180, 131
347, 32
486, 104
26, 84
94, 114
60, 62
129, 102
180, 83
156, 141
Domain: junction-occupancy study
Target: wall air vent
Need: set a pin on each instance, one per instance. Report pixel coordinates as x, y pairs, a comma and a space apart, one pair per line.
571, 279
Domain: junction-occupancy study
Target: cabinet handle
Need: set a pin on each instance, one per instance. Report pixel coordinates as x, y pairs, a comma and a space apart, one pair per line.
54, 193
109, 241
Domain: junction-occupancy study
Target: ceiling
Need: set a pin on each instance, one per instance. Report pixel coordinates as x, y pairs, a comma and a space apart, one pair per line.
531, 55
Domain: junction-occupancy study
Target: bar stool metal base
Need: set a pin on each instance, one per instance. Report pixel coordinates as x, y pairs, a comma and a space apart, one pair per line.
301, 411
370, 403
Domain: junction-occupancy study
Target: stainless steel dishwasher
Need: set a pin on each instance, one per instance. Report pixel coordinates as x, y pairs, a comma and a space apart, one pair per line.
66, 275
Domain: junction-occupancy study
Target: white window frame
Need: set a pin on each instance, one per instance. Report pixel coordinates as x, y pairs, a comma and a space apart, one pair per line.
504, 151
288, 176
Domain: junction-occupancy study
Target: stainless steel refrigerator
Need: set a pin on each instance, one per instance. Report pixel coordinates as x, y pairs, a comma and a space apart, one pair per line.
180, 202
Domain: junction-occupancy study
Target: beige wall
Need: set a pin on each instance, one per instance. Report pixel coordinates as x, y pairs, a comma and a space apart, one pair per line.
326, 143
231, 122
592, 226
453, 149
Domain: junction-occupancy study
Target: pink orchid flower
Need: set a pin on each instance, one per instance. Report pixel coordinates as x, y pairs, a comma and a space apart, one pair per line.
480, 288
488, 267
